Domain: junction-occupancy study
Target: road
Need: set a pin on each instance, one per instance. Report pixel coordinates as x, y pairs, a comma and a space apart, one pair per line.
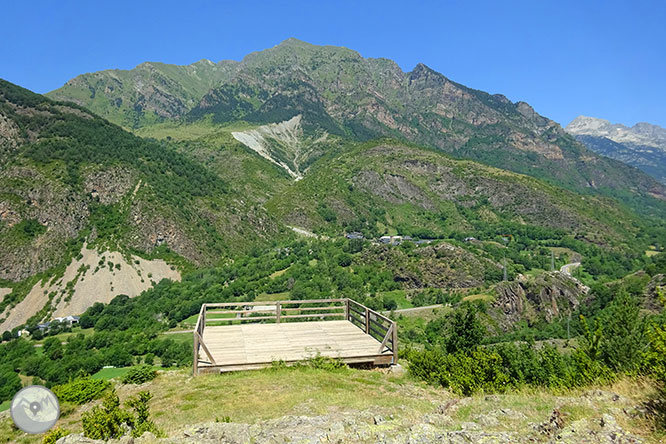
566, 269
409, 310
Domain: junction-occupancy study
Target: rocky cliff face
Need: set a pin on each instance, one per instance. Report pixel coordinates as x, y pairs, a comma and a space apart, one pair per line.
549, 297
642, 146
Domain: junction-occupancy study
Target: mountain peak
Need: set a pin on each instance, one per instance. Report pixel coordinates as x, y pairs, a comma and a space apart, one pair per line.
294, 42
426, 75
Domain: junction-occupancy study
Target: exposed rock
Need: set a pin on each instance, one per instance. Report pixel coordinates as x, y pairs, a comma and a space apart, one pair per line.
550, 296
284, 144
94, 277
553, 424
109, 185
78, 438
395, 369
655, 291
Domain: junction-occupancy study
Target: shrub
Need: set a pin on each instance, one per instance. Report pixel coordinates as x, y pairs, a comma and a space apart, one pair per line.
325, 363
106, 421
496, 369
149, 359
81, 390
54, 435
139, 375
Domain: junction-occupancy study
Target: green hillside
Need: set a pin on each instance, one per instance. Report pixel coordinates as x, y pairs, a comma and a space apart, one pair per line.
150, 93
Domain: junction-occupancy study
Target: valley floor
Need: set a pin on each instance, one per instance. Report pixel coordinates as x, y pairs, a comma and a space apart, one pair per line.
369, 406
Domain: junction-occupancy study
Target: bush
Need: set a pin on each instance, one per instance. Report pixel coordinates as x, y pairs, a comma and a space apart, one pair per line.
496, 369
149, 359
106, 421
325, 363
139, 375
54, 435
463, 372
81, 390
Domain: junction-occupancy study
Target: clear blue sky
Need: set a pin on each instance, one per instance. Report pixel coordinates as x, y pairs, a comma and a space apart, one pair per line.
599, 58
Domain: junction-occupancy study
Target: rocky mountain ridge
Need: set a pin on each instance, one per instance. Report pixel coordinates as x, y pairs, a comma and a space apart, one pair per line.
642, 133
338, 91
642, 146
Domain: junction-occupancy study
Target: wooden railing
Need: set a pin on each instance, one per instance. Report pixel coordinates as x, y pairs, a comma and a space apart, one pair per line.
376, 325
372, 323
273, 311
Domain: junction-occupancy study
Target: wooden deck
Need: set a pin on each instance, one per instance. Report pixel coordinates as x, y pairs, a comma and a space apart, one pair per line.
290, 331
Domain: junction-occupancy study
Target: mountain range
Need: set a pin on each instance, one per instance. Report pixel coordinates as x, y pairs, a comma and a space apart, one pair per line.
195, 165
642, 145
340, 93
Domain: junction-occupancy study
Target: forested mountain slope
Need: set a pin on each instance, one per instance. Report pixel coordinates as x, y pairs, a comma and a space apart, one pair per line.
68, 177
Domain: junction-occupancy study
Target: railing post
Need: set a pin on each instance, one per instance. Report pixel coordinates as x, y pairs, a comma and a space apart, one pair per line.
346, 309
195, 357
278, 312
203, 320
394, 344
367, 320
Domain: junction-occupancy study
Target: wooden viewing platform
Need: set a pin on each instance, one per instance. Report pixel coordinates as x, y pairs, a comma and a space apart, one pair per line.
251, 335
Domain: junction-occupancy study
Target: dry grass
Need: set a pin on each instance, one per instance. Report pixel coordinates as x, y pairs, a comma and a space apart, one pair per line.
181, 400
250, 396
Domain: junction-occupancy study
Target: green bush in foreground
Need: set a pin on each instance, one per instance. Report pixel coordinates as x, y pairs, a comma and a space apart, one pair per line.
54, 435
106, 421
139, 375
81, 390
498, 369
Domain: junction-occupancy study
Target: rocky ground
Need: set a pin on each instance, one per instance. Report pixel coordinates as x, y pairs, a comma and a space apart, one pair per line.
283, 406
439, 426
367, 428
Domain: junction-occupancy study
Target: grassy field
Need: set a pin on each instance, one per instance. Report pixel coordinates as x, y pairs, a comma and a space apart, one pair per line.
399, 296
178, 337
110, 373
249, 397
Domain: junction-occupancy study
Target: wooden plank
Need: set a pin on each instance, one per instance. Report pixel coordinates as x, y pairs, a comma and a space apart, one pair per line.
379, 333
359, 311
334, 307
248, 318
386, 338
314, 315
383, 327
240, 311
239, 304
311, 301
203, 345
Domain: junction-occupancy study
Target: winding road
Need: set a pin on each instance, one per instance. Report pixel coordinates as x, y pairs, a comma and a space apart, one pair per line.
568, 268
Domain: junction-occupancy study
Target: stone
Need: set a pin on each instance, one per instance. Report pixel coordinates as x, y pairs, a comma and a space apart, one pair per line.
396, 369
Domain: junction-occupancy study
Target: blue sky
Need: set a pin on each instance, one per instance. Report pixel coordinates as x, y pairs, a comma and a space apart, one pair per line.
599, 58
